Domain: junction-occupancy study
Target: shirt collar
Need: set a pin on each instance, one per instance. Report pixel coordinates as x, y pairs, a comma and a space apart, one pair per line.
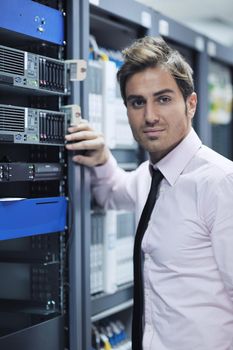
172, 165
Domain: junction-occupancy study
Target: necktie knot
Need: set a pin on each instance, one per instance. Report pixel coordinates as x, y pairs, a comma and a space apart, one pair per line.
157, 177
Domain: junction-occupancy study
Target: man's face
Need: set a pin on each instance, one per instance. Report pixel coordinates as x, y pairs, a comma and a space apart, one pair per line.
158, 115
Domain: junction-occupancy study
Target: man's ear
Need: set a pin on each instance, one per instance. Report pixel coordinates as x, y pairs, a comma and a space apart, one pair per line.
191, 104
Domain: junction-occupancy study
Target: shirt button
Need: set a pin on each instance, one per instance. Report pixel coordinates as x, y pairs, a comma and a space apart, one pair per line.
148, 328
147, 257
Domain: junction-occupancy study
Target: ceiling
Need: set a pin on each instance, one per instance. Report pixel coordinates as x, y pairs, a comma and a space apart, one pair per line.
211, 17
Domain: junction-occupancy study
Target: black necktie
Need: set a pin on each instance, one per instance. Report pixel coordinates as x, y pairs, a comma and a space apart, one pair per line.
137, 326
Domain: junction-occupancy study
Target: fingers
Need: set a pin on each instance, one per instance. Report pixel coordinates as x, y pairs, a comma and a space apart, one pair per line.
82, 125
82, 137
81, 132
94, 143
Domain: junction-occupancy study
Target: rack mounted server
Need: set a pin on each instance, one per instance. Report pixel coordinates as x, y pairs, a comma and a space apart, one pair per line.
22, 69
31, 126
18, 171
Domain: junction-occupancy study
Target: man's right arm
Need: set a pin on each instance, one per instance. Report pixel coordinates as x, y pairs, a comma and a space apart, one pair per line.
111, 186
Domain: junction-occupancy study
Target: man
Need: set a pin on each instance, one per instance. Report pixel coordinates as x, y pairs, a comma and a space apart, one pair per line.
187, 246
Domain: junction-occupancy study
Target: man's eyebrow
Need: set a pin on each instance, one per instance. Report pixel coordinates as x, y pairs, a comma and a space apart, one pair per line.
164, 91
132, 97
158, 93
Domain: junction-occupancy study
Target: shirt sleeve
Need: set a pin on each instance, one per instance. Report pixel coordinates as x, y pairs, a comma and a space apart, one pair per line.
112, 187
222, 230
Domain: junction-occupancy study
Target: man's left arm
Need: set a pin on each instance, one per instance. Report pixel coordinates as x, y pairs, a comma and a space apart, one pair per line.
222, 231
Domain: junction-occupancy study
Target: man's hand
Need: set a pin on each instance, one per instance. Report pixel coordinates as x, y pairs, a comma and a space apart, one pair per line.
84, 138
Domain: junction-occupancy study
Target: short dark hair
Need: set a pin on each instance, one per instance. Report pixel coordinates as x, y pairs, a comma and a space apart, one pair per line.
149, 52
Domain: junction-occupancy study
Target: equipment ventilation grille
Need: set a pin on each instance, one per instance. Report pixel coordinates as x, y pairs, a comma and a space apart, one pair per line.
11, 61
12, 119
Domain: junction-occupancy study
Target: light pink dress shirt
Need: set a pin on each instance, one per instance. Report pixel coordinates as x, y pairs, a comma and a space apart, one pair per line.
188, 246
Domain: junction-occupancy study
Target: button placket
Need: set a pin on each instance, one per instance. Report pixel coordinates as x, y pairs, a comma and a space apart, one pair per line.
147, 301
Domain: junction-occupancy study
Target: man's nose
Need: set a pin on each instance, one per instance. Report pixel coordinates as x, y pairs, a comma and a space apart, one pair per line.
151, 114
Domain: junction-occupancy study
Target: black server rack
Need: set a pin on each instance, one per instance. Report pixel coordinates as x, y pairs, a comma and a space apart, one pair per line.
33, 186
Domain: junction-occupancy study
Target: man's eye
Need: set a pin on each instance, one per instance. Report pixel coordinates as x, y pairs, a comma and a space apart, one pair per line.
137, 103
164, 99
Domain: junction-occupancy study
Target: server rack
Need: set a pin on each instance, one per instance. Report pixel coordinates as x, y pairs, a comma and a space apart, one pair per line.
33, 188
